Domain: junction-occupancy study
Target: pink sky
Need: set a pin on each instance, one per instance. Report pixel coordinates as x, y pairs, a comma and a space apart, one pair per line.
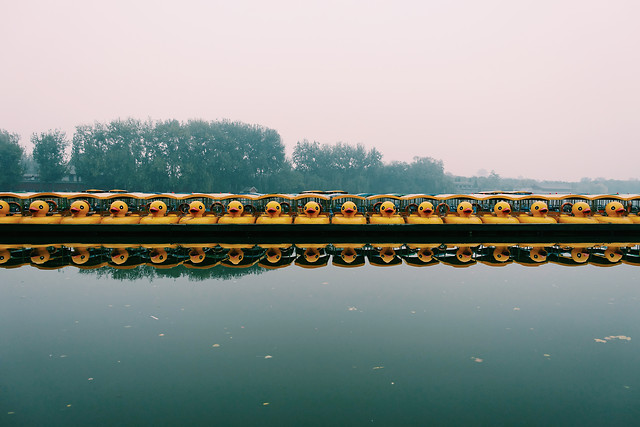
539, 89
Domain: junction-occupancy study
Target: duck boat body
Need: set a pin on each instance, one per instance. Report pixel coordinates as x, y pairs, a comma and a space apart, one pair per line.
463, 215
320, 219
379, 219
501, 215
614, 214
312, 215
93, 219
13, 219
490, 219
416, 219
282, 219
158, 220
208, 219
130, 219
387, 215
530, 219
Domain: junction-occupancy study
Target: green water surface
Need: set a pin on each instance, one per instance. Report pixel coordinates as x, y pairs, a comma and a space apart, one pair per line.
393, 346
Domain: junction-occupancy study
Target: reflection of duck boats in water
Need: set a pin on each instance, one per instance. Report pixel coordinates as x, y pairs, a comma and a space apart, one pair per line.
312, 255
421, 255
277, 257
386, 256
348, 256
494, 255
570, 256
242, 257
461, 256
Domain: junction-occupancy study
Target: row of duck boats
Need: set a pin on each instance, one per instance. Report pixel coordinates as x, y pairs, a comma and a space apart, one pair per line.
117, 207
310, 256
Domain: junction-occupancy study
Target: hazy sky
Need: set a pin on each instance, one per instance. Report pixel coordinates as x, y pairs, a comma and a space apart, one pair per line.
541, 89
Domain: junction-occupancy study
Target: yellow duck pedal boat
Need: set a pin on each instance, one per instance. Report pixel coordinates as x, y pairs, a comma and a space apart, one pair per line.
197, 215
312, 215
273, 215
615, 214
581, 212
120, 214
501, 215
5, 214
464, 215
424, 215
387, 215
348, 215
39, 210
79, 214
158, 215
538, 215
235, 215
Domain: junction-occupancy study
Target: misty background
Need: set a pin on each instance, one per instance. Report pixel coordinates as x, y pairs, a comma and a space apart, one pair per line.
543, 90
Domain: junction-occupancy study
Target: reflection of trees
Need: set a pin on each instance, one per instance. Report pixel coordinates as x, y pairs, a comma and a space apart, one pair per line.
179, 271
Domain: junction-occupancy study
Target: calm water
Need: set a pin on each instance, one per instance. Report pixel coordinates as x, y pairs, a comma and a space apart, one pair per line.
330, 346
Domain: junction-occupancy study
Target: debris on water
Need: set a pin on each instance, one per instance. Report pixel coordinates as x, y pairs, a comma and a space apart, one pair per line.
613, 337
325, 283
516, 308
546, 355
413, 312
68, 405
216, 345
377, 367
265, 403
477, 359
10, 413
352, 308
127, 326
160, 335
268, 356
90, 379
154, 317
63, 356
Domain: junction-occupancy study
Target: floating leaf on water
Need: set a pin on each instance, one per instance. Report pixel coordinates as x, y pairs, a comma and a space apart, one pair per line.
216, 345
377, 367
546, 355
160, 335
265, 403
90, 379
268, 356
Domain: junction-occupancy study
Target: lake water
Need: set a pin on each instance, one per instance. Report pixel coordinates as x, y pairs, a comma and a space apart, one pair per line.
398, 345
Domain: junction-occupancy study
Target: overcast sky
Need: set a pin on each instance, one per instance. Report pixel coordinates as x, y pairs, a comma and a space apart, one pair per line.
539, 89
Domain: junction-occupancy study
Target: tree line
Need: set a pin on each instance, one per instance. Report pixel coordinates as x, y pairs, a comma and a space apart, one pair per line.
210, 156
225, 156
